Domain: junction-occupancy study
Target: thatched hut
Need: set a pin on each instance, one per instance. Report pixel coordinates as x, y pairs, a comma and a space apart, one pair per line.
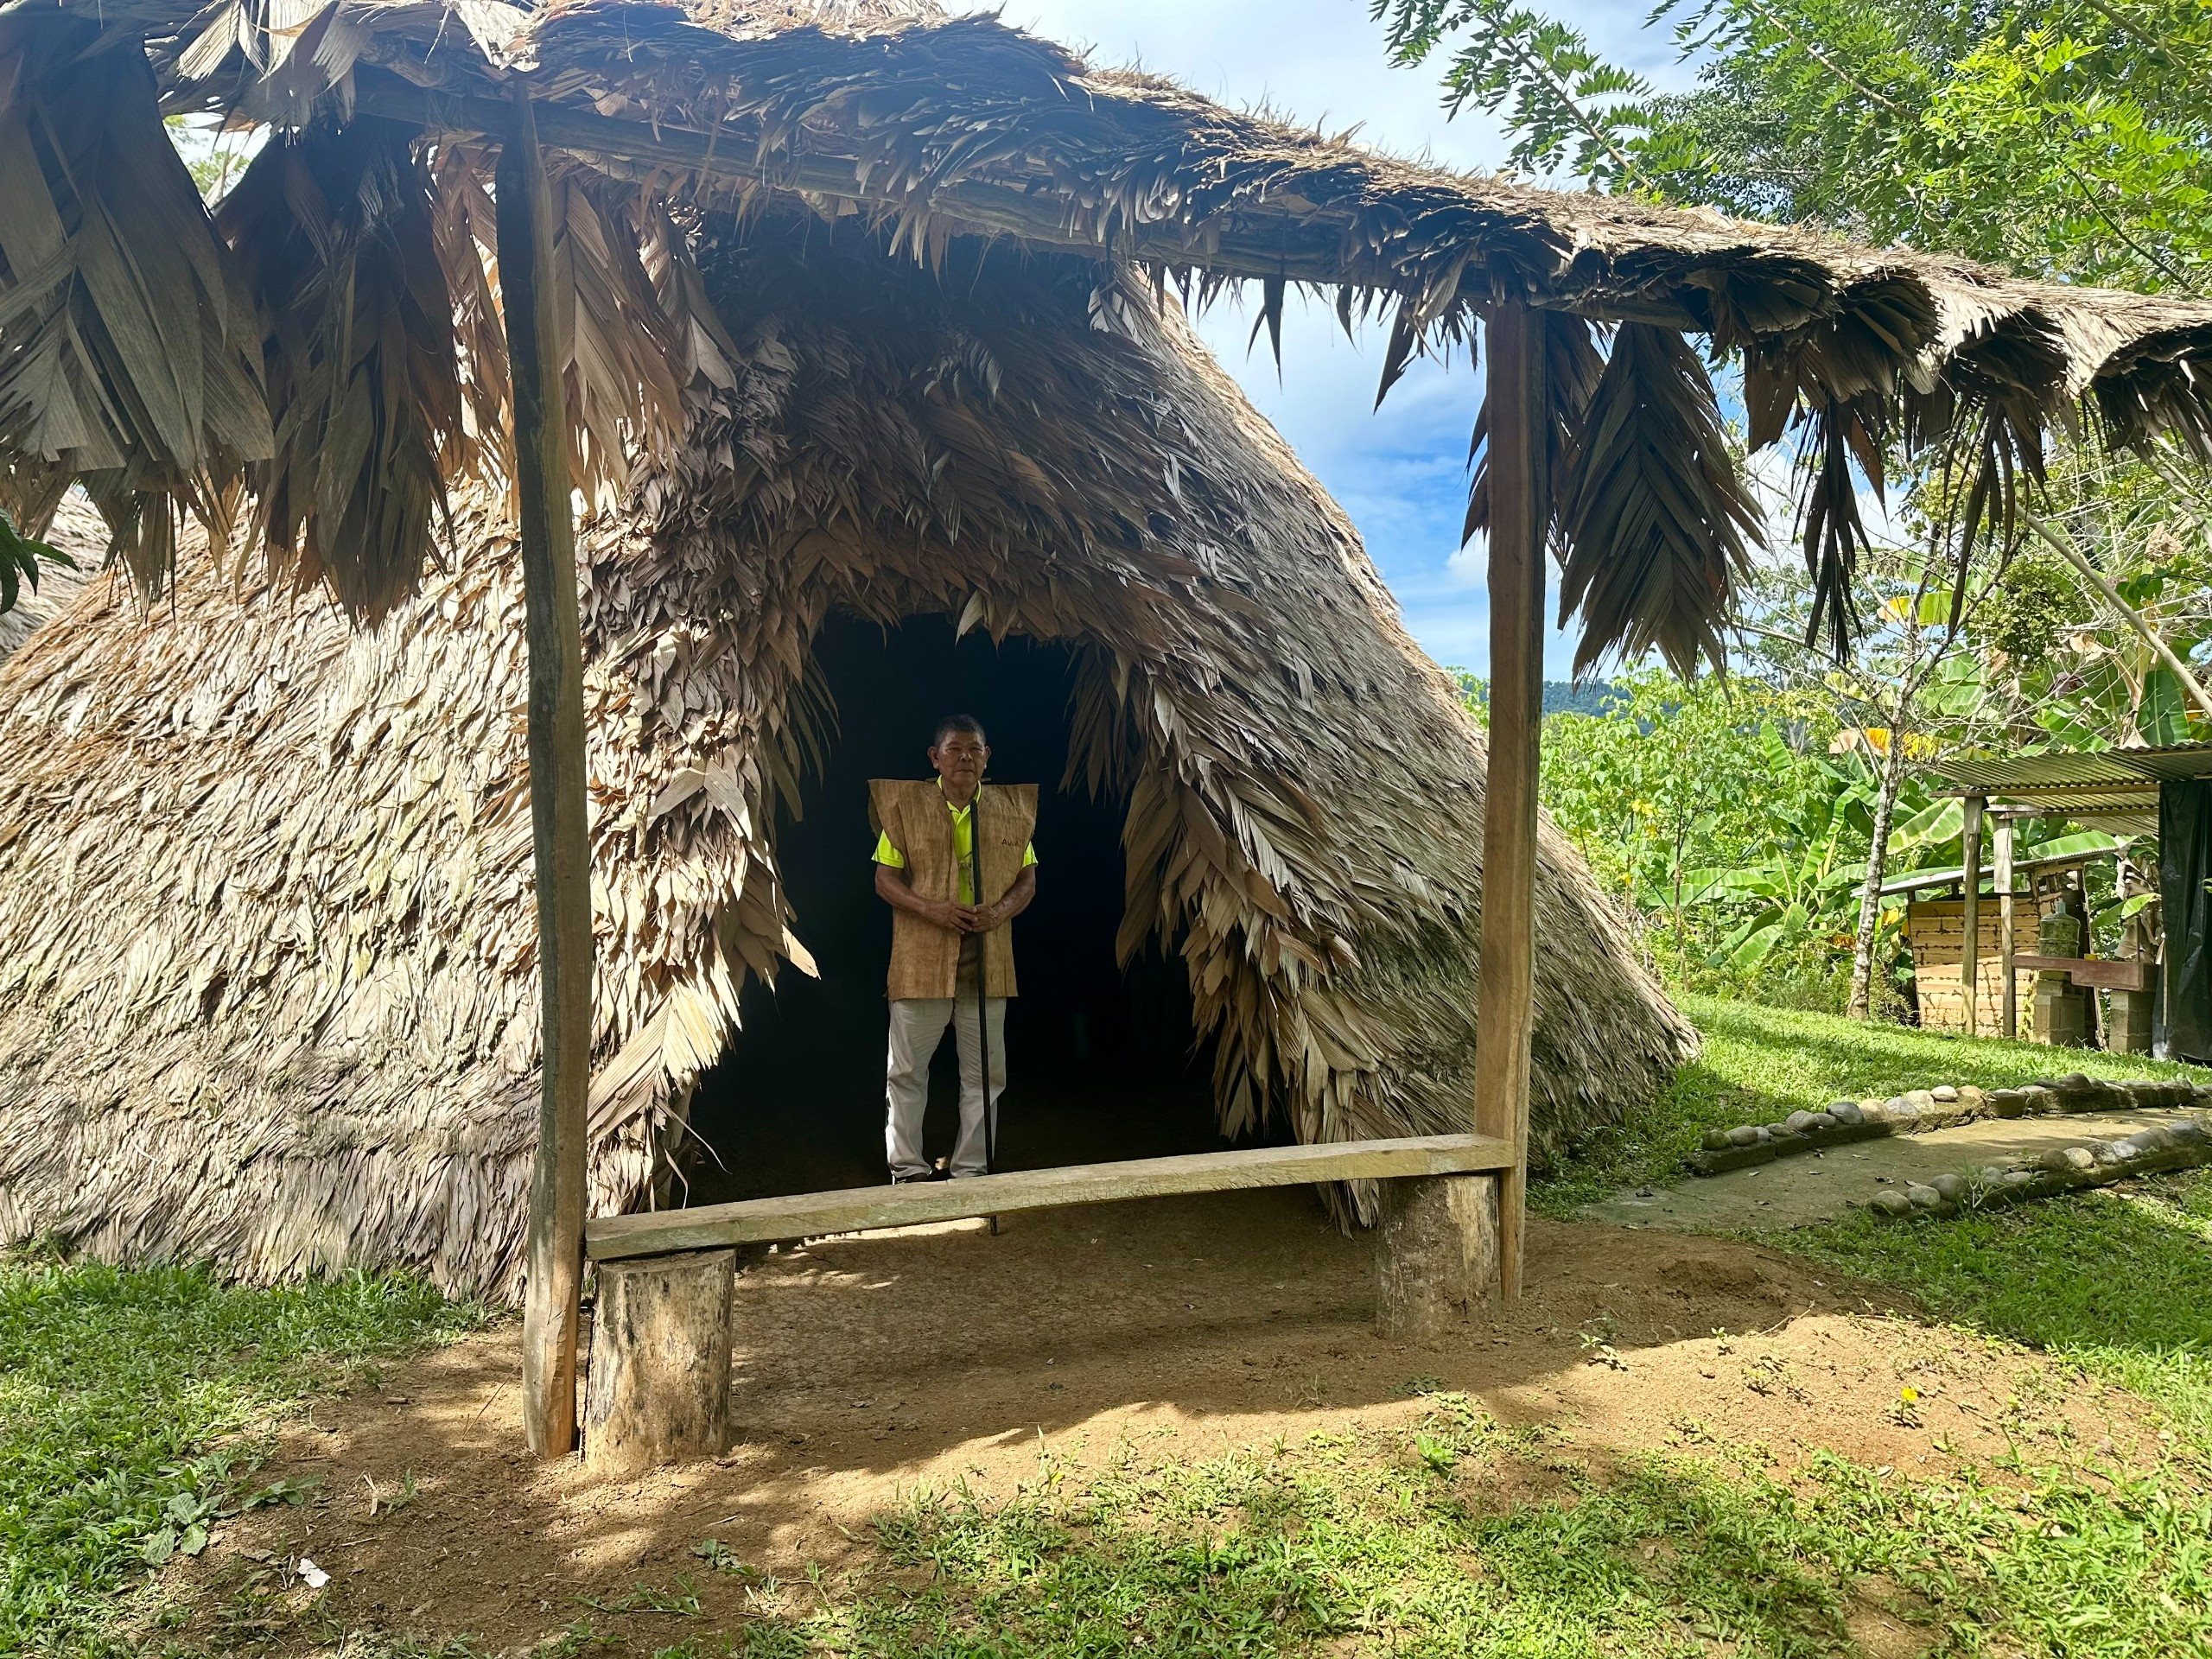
316, 372
265, 899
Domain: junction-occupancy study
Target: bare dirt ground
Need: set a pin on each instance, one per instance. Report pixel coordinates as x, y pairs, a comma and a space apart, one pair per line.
870, 1367
1820, 1185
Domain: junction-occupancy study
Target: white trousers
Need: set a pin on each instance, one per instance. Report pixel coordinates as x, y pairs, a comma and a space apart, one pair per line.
917, 1027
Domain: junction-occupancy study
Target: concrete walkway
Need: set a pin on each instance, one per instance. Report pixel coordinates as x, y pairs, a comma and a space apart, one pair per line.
1819, 1185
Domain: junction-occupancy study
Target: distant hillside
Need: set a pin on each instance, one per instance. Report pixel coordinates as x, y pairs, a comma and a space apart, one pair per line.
1592, 697
1560, 696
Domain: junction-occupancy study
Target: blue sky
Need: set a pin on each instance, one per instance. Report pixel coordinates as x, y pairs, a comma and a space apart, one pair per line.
1401, 473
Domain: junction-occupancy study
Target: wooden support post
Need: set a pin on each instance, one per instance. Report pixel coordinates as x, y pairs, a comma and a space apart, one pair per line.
559, 831
1436, 1253
659, 1387
2008, 1023
1970, 946
1519, 520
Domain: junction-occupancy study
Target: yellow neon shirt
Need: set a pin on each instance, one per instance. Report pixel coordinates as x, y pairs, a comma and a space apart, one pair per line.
964, 845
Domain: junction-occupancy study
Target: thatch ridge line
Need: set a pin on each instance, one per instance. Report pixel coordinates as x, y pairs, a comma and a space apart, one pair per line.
1432, 238
948, 115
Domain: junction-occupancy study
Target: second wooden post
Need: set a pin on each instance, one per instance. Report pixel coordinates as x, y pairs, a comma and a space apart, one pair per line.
1520, 520
1970, 945
560, 837
2008, 992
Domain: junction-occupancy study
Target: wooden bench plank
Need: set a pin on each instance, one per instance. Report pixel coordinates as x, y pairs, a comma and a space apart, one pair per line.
810, 1215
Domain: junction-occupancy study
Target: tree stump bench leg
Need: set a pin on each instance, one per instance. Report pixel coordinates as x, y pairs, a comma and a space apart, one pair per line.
1436, 1252
657, 1388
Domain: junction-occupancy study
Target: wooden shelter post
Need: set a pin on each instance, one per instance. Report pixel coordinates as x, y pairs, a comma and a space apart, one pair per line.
1519, 520
2008, 1023
558, 805
1970, 945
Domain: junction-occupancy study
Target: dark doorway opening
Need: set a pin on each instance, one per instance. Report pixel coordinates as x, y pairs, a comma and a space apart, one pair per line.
1101, 1063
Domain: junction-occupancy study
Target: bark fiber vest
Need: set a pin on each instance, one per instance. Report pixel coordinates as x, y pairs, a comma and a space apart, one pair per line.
924, 959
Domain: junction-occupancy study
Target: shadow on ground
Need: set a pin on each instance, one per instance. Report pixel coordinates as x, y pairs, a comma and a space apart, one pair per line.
1144, 1337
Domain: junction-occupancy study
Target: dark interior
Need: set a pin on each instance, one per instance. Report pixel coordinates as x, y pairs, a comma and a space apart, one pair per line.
1101, 1063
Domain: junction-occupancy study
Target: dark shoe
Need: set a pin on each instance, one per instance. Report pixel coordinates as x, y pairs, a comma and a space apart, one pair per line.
911, 1180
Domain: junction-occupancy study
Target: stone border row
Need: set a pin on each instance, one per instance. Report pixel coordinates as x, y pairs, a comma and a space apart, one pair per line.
1939, 1108
2185, 1144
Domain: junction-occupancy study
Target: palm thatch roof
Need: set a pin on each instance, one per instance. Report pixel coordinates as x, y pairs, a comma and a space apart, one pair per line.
939, 128
264, 879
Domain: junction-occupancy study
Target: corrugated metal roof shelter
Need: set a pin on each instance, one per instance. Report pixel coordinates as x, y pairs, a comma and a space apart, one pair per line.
2107, 789
2120, 791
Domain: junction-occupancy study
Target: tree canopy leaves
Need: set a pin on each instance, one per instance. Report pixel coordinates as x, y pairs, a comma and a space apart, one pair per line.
2071, 140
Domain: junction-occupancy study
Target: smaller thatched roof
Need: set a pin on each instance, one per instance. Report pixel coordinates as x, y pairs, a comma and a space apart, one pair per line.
942, 128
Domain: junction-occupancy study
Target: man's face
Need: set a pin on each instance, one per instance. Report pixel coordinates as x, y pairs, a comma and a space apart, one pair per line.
960, 758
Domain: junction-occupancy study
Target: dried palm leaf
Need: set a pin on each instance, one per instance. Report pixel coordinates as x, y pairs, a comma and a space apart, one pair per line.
620, 350
467, 240
1418, 327
1572, 368
1652, 516
286, 54
1827, 384
128, 348
1981, 475
335, 232
2159, 394
30, 491
706, 358
1830, 526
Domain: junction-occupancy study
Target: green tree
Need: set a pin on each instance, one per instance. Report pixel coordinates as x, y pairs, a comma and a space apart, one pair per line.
1902, 680
2067, 140
2072, 141
20, 558
1715, 811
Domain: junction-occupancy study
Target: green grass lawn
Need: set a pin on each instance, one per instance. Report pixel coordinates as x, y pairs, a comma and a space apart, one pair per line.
1760, 1065
2117, 1282
131, 1406
1396, 1543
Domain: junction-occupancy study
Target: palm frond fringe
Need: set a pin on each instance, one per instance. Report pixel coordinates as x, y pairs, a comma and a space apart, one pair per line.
333, 231
129, 351
937, 129
1653, 517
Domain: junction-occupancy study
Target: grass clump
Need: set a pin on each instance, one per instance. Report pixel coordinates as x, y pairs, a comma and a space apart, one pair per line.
1760, 1065
1409, 1542
123, 1399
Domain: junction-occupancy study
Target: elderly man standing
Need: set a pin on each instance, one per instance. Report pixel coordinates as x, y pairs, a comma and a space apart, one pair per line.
955, 861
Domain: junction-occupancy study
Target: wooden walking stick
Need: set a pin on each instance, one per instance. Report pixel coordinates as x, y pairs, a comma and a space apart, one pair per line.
983, 987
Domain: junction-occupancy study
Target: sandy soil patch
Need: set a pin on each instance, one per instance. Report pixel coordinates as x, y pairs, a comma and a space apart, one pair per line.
869, 1366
